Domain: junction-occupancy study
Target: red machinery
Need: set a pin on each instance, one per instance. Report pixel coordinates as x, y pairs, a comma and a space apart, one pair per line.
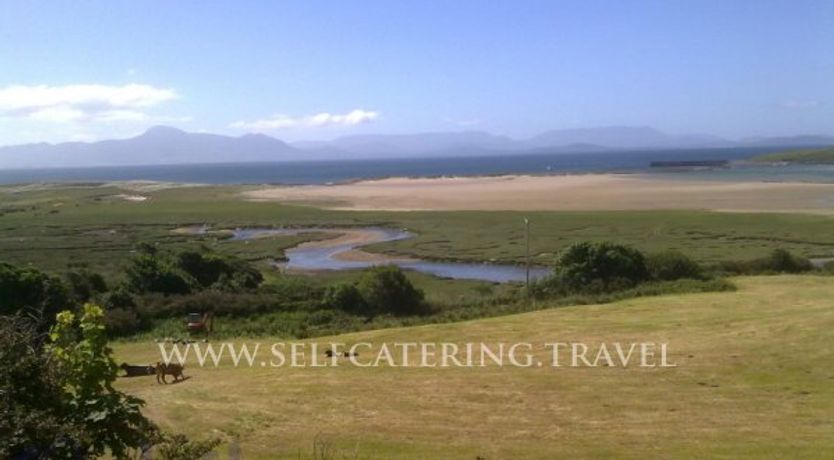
196, 322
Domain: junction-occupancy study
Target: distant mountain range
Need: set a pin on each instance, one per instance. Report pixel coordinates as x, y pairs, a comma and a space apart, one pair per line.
166, 145
158, 145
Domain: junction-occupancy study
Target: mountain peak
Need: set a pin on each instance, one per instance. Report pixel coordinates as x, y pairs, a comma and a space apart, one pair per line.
163, 131
624, 137
256, 136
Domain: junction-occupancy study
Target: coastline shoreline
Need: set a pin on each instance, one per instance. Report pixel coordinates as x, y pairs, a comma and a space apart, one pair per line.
557, 192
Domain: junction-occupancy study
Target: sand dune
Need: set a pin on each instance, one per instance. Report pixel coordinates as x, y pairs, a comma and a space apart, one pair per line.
569, 192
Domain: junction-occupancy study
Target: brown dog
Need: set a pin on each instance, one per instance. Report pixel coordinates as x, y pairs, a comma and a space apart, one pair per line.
163, 369
330, 353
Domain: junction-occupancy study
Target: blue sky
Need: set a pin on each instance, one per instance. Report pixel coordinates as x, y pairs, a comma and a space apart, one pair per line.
320, 69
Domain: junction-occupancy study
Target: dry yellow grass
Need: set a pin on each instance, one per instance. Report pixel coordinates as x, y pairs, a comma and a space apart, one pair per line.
754, 380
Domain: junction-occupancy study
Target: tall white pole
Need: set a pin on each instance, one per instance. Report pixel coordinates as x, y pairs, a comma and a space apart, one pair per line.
527, 247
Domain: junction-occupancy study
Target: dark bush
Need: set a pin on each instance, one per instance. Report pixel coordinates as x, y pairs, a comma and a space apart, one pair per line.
179, 447
120, 297
828, 267
56, 396
548, 287
778, 261
345, 297
672, 265
386, 289
122, 321
206, 270
22, 288
187, 271
148, 272
84, 284
218, 272
782, 261
599, 267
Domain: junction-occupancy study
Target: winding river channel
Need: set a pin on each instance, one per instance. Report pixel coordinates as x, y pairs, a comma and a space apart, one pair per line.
343, 252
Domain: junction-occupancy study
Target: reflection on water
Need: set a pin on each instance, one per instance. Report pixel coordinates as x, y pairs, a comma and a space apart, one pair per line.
322, 256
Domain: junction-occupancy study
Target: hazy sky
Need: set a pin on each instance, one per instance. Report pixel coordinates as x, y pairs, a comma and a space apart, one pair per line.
320, 69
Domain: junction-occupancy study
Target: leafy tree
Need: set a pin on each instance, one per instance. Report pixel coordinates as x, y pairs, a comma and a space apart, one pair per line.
187, 271
205, 269
600, 266
28, 288
149, 272
106, 418
30, 421
782, 261
120, 312
386, 289
215, 271
345, 297
84, 284
57, 398
119, 297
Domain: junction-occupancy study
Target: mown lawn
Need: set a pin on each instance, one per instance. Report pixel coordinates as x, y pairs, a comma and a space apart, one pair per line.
754, 380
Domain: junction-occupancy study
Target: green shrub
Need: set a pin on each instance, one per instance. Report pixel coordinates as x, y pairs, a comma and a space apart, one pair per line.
386, 289
122, 321
57, 399
778, 261
672, 265
63, 403
84, 284
828, 267
119, 297
149, 272
218, 272
599, 267
28, 288
179, 447
548, 287
345, 297
782, 261
187, 271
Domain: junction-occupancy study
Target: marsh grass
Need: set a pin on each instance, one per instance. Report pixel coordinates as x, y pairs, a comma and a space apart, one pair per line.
53, 226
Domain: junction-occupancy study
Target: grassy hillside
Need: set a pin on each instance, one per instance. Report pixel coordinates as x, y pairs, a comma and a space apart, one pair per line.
806, 156
754, 380
51, 226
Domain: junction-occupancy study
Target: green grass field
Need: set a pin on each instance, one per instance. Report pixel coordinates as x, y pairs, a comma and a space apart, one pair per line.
754, 380
52, 226
806, 156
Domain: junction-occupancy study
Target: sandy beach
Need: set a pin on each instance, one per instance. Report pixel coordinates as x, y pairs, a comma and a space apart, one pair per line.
557, 193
